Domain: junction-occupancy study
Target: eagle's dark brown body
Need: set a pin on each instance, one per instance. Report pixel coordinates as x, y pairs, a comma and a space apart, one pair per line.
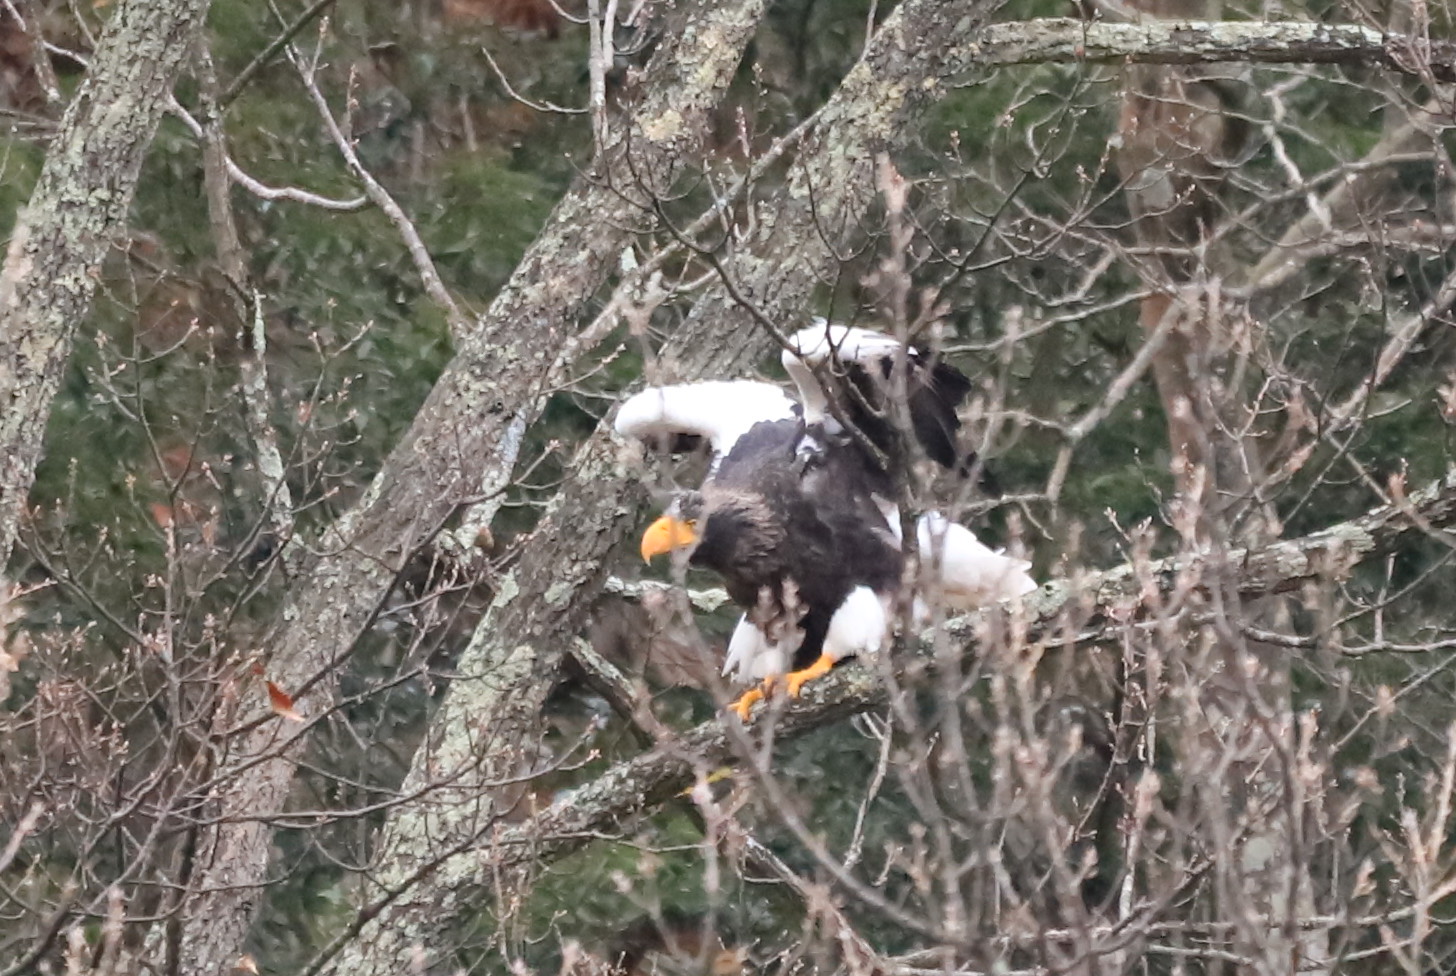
790, 543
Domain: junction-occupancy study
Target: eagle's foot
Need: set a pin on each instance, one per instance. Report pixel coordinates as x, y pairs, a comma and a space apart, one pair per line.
746, 702
796, 680
766, 690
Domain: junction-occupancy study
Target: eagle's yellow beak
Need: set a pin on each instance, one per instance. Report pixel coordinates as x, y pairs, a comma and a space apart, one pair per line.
665, 535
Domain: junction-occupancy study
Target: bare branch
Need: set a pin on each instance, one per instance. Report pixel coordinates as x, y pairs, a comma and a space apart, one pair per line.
424, 264
1069, 41
261, 60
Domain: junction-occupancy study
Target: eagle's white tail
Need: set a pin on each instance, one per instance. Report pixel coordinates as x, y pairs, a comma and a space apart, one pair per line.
970, 575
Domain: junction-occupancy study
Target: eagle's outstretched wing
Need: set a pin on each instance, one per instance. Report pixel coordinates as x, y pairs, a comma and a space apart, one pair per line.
857, 367
677, 418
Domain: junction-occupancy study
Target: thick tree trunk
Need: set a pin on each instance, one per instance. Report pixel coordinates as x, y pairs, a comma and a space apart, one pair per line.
461, 447
75, 215
1179, 139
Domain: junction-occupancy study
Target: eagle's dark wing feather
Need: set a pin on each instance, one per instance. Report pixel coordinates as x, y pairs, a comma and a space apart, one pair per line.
934, 398
859, 366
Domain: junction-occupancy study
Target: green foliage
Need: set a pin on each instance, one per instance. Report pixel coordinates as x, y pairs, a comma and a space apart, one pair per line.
1014, 195
480, 216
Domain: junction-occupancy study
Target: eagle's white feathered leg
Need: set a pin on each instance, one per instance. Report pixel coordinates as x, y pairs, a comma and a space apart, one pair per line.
858, 627
752, 656
970, 575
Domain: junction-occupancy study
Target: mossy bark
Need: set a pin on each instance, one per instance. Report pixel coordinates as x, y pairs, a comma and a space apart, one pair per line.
76, 213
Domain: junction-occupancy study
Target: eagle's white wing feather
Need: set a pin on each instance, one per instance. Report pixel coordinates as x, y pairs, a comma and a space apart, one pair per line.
970, 574
720, 411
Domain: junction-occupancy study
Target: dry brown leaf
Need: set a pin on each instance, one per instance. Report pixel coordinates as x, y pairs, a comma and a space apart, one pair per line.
282, 703
526, 15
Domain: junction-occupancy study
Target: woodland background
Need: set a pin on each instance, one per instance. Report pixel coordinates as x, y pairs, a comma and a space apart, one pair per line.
323, 642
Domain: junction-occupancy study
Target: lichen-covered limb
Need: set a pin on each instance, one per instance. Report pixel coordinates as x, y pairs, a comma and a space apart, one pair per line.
704, 601
629, 788
78, 206
1202, 42
461, 447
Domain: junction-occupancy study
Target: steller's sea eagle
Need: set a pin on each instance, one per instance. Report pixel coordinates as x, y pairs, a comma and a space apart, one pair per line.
797, 512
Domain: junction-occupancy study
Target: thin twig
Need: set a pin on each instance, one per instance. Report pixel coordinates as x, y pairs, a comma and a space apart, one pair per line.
381, 198
500, 76
268, 53
27, 15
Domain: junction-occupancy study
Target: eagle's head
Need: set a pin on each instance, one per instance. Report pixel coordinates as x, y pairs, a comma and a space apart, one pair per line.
716, 532
676, 529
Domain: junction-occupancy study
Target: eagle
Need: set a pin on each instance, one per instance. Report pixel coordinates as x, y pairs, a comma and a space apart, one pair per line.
797, 513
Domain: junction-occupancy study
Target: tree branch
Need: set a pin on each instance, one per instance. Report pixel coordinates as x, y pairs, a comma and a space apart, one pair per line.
1102, 602
263, 57
1065, 40
77, 208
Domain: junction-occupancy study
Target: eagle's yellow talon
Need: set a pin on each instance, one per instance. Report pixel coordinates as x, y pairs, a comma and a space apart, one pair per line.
796, 680
745, 703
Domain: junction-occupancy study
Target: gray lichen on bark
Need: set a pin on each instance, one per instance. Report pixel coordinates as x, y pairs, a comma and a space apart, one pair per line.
75, 214
1068, 41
